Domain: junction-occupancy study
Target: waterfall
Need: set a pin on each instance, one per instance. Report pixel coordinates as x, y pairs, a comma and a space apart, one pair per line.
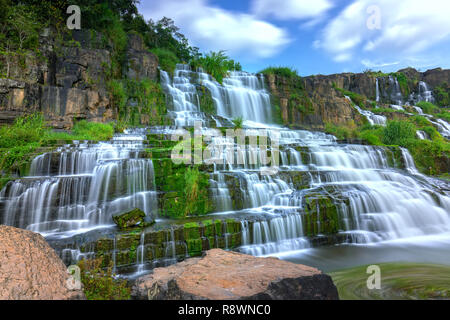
374, 201
238, 89
396, 93
377, 91
88, 184
372, 117
422, 135
423, 93
79, 187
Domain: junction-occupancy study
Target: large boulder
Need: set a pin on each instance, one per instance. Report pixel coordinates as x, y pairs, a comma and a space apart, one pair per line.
31, 270
226, 275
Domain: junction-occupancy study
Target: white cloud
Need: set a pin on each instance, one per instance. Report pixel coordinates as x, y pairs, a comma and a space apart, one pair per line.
375, 64
213, 28
407, 27
290, 9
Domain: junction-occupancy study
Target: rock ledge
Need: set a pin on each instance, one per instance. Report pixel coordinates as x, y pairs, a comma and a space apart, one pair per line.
225, 275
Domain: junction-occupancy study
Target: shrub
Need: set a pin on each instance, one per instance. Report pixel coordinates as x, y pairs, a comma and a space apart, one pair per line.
25, 130
397, 132
167, 59
217, 64
442, 95
349, 130
238, 122
93, 130
428, 107
286, 72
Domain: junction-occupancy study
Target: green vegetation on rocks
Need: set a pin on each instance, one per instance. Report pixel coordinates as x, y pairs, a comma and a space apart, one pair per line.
217, 64
129, 219
286, 72
430, 156
186, 190
100, 284
138, 102
19, 141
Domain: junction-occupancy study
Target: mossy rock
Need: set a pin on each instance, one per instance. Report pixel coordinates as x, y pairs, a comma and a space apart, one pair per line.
191, 231
194, 247
129, 219
321, 215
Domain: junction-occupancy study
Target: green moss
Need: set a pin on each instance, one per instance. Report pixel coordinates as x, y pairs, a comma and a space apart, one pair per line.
187, 191
218, 227
206, 101
209, 228
194, 247
403, 82
442, 94
191, 230
129, 219
100, 284
321, 215
356, 98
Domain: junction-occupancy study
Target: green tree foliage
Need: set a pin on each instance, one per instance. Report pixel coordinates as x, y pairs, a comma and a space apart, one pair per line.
286, 72
217, 64
167, 59
165, 34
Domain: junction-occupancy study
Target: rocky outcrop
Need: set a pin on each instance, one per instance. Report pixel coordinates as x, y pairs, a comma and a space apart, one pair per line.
311, 102
223, 275
318, 105
68, 84
68, 81
142, 64
30, 268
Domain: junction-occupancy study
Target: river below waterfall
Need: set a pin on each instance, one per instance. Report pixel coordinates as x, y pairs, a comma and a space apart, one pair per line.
372, 197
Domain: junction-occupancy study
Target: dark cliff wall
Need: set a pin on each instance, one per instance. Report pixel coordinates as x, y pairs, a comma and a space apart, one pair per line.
312, 102
69, 82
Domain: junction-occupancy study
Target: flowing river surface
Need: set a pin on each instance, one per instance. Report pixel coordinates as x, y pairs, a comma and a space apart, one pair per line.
386, 210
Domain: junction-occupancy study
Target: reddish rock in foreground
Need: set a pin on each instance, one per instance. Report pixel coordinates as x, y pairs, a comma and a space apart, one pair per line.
30, 269
225, 275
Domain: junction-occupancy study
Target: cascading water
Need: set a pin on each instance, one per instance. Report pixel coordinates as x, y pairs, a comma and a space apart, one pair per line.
396, 93
375, 202
80, 186
238, 89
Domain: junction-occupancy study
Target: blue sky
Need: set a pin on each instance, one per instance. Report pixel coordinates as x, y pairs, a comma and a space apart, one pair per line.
316, 36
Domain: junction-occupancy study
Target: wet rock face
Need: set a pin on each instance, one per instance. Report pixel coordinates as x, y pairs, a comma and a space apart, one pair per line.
141, 63
67, 85
30, 269
224, 275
